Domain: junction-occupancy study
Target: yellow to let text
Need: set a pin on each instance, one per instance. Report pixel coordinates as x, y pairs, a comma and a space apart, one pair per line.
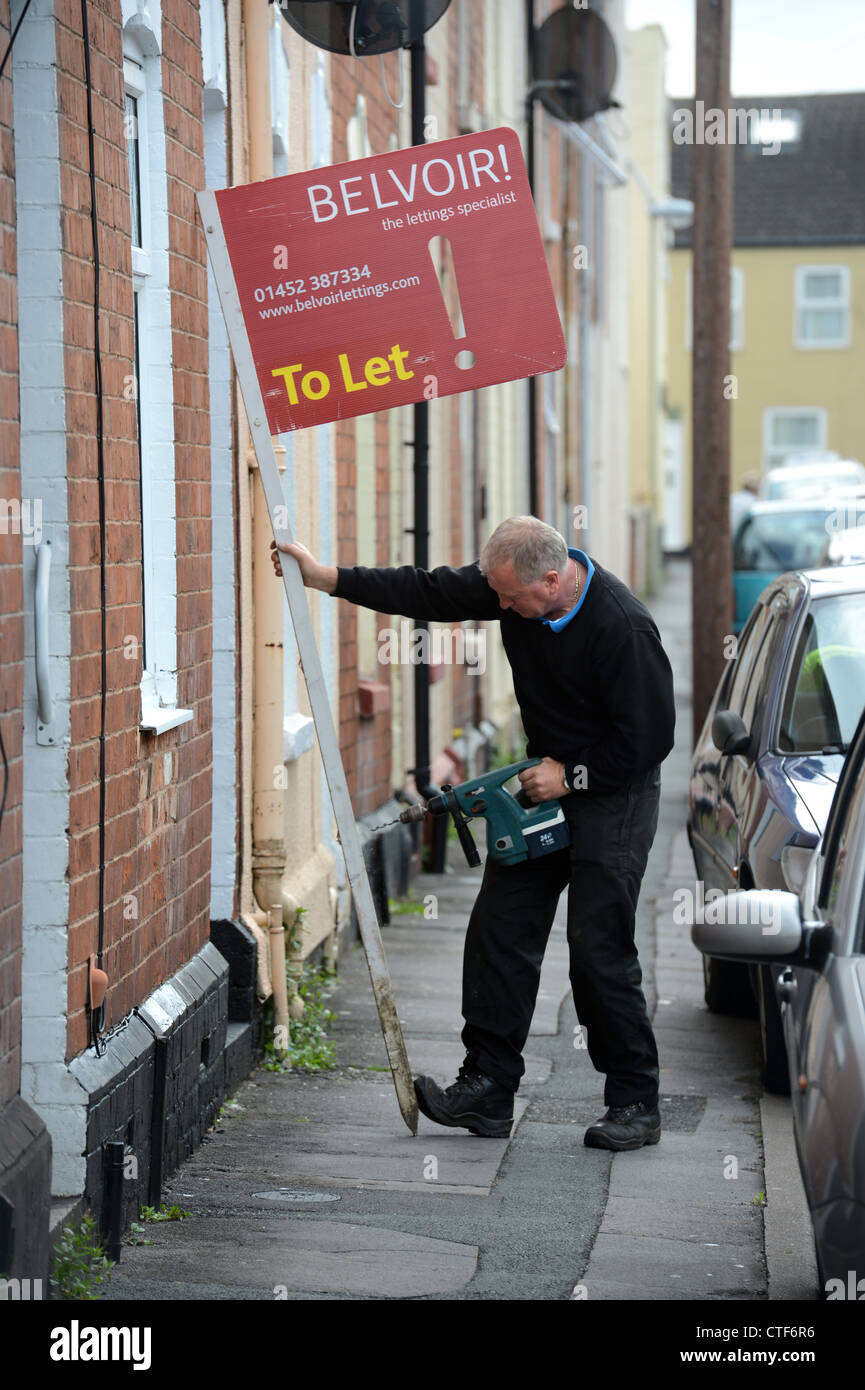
315, 384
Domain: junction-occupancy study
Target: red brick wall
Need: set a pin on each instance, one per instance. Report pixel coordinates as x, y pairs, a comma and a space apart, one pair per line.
12, 640
157, 818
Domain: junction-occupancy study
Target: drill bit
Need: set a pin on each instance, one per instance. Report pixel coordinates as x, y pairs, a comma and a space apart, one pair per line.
411, 814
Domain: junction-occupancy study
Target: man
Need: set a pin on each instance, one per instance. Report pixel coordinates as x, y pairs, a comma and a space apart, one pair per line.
742, 501
595, 692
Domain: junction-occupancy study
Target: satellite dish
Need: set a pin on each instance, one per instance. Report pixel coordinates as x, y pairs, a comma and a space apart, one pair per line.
575, 48
362, 28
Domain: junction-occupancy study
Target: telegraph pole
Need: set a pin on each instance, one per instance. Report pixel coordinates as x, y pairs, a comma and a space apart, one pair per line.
711, 388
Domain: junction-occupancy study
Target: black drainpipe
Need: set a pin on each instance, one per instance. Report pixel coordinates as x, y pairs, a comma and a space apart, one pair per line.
422, 770
112, 1209
157, 1121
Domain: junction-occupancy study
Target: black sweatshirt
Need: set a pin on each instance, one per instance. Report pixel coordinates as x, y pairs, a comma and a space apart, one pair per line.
597, 695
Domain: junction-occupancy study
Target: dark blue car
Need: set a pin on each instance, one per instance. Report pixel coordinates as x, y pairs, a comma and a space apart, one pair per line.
768, 759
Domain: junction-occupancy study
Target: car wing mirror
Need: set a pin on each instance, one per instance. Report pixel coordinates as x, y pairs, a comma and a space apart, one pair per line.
729, 734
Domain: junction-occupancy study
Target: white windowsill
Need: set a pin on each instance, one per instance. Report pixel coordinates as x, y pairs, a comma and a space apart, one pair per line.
297, 736
158, 720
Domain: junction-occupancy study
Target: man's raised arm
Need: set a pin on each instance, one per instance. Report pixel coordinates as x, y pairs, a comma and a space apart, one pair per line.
443, 595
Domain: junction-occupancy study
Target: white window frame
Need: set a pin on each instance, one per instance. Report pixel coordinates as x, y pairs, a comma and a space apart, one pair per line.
135, 84
737, 307
280, 96
781, 412
142, 70
801, 304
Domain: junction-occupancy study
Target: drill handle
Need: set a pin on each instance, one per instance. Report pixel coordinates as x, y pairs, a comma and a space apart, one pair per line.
462, 825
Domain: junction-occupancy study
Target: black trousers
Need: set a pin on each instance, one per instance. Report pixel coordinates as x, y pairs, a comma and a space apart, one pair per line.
602, 868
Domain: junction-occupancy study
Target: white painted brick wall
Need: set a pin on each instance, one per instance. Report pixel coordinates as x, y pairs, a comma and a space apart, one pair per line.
45, 950
45, 1081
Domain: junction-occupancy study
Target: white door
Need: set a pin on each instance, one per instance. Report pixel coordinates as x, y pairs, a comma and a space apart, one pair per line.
674, 535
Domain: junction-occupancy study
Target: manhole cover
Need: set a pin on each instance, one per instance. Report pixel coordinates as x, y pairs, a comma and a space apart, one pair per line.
297, 1194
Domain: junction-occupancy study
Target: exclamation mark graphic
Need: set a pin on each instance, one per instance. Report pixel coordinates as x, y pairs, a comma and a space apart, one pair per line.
441, 251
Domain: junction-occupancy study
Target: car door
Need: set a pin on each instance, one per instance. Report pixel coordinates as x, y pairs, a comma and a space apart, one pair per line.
825, 1036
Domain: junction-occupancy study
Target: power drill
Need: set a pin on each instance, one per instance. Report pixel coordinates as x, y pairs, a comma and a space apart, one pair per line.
517, 829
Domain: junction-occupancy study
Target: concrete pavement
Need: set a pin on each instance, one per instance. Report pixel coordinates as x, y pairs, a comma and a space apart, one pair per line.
313, 1189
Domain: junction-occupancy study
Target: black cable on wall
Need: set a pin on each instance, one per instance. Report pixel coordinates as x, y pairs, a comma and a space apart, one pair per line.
100, 458
13, 38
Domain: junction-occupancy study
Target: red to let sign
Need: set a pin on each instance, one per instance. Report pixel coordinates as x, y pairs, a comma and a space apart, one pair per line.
392, 279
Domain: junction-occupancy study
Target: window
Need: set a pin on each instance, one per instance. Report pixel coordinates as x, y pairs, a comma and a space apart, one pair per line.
790, 429
772, 542
152, 378
280, 81
737, 309
134, 164
826, 688
822, 313
765, 668
836, 856
769, 131
749, 648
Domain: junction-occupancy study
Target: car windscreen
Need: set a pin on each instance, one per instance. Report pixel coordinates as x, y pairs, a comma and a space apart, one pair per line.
778, 541
826, 682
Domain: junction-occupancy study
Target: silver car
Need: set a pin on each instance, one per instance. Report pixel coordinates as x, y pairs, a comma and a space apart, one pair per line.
816, 944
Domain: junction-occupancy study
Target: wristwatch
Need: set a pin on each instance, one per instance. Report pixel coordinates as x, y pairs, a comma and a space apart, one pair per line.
565, 777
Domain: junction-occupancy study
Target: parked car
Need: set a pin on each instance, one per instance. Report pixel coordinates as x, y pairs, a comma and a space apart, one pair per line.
813, 945
845, 547
809, 477
775, 537
768, 759
845, 544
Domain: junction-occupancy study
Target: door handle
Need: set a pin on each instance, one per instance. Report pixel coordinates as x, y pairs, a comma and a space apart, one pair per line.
788, 986
44, 699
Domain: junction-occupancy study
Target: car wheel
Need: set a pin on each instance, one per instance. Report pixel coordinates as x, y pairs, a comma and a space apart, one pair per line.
727, 988
776, 1073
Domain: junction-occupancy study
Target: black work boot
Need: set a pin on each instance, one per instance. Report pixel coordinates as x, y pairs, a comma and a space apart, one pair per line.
475, 1102
626, 1127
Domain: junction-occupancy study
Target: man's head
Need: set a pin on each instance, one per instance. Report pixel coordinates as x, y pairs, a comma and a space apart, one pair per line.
751, 482
525, 561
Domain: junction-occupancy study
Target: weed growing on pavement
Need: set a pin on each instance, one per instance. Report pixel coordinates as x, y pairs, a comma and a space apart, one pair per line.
408, 903
79, 1264
225, 1112
759, 1200
311, 1048
172, 1213
136, 1235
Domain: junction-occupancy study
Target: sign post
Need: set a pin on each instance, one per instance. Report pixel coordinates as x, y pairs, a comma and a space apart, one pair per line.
330, 290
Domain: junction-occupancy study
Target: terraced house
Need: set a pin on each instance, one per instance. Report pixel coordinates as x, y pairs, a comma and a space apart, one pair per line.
165, 814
